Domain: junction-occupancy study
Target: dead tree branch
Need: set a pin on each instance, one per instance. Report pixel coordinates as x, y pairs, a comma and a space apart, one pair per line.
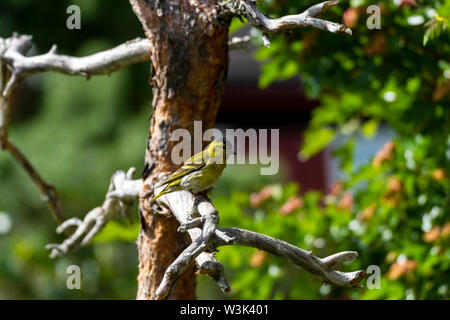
15, 65
119, 200
249, 10
13, 52
48, 191
105, 62
297, 256
198, 216
5, 107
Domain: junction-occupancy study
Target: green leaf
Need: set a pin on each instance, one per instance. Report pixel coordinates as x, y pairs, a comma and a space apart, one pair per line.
345, 155
435, 28
315, 141
369, 128
235, 25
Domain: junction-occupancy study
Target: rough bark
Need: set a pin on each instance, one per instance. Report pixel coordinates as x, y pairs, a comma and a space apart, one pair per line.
188, 49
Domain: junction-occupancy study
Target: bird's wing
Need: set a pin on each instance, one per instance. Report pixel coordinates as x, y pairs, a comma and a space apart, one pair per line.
196, 158
183, 171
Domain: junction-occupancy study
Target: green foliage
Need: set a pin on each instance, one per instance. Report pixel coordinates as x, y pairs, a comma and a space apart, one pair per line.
398, 221
116, 231
395, 211
78, 153
76, 132
438, 24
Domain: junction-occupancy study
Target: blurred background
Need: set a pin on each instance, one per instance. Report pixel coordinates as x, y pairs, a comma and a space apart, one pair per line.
364, 152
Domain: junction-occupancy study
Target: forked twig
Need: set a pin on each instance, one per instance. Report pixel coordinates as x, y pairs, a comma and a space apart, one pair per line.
47, 190
198, 216
118, 201
249, 10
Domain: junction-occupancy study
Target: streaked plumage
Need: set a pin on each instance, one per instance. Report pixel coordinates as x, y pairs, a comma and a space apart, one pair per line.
200, 172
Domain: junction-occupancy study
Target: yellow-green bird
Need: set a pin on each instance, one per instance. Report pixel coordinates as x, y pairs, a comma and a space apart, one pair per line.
200, 172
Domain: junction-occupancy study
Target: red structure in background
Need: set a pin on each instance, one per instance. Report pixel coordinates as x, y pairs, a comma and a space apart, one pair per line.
310, 174
281, 106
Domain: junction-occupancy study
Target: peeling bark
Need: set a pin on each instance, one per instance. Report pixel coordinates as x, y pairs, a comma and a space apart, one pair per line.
188, 50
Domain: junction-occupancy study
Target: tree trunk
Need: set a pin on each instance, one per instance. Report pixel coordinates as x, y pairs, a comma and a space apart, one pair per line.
189, 62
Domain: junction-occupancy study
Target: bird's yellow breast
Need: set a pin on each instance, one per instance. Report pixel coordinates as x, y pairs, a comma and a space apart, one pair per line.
203, 179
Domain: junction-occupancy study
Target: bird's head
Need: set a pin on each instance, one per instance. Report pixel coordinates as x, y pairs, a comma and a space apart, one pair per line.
219, 149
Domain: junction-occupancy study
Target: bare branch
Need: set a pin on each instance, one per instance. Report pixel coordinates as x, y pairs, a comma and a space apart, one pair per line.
105, 62
15, 65
122, 190
48, 191
299, 257
5, 76
208, 264
249, 10
13, 51
4, 121
198, 216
